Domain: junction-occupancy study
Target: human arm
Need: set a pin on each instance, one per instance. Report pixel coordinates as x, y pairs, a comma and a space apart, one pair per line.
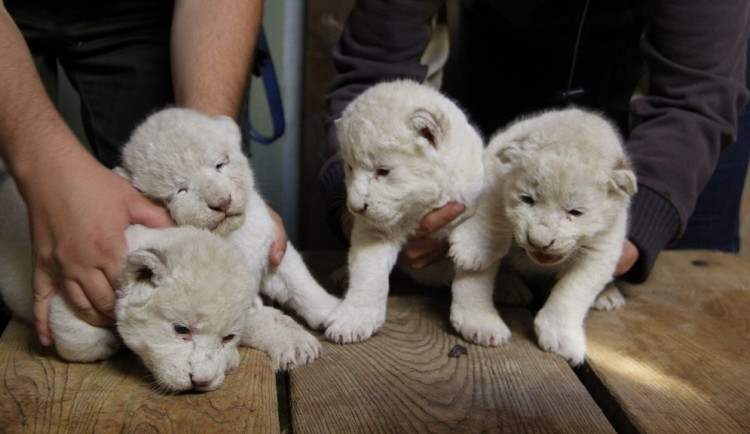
78, 209
213, 44
695, 52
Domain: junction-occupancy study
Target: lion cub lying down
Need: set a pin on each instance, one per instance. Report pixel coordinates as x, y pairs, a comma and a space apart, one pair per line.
193, 165
178, 307
407, 150
559, 187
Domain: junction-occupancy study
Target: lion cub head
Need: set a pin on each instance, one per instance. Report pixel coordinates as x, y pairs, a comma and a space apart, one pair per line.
406, 150
182, 301
566, 181
193, 165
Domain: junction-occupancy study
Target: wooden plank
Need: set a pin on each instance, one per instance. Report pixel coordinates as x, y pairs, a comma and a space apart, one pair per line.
402, 380
42, 393
676, 357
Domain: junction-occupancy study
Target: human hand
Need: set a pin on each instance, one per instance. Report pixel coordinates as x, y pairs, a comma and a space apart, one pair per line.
278, 247
628, 259
420, 250
78, 212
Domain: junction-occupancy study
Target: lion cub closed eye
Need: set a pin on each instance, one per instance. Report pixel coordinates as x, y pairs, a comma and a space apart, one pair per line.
559, 187
193, 164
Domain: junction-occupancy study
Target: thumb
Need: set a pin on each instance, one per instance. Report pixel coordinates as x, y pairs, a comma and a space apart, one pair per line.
149, 214
44, 289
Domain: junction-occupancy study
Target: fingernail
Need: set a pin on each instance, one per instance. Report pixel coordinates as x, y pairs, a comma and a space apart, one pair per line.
278, 256
458, 208
44, 340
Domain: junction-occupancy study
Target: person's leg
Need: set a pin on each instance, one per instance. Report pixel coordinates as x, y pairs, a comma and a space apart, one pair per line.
118, 61
714, 225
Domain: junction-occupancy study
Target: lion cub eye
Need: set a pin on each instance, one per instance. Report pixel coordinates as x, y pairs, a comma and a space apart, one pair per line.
183, 190
575, 212
222, 164
382, 171
228, 338
181, 329
528, 200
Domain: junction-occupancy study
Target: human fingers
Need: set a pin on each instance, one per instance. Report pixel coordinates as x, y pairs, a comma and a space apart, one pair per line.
95, 304
278, 247
144, 212
438, 218
628, 258
44, 289
420, 252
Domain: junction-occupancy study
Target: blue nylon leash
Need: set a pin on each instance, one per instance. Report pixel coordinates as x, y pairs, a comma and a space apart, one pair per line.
263, 67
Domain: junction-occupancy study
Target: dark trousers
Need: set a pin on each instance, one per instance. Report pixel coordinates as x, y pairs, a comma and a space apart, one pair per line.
115, 53
714, 224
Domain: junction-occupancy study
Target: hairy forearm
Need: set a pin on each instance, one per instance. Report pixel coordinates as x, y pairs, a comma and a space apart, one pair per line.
212, 50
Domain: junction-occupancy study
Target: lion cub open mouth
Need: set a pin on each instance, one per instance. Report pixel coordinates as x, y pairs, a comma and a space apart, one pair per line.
542, 258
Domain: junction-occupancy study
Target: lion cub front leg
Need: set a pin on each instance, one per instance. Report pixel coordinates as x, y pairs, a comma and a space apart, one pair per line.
285, 341
362, 311
473, 313
559, 325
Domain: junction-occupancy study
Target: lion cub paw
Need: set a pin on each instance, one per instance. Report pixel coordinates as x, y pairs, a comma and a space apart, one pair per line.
557, 337
285, 341
349, 324
300, 348
609, 299
483, 328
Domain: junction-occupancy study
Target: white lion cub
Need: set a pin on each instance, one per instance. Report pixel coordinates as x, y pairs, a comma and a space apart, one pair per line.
407, 150
193, 165
183, 296
559, 189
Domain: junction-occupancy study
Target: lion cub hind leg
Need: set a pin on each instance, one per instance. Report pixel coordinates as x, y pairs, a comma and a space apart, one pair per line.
285, 341
473, 314
77, 340
294, 287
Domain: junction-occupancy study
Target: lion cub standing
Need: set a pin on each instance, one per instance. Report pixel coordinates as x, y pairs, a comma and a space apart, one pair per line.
559, 190
407, 150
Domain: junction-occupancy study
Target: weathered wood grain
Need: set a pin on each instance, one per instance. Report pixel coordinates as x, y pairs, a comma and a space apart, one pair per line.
676, 358
402, 380
42, 393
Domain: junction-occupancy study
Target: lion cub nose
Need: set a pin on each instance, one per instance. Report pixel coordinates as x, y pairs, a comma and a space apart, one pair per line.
223, 206
199, 383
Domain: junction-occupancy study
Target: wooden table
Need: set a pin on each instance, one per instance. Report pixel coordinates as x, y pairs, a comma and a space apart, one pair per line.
674, 359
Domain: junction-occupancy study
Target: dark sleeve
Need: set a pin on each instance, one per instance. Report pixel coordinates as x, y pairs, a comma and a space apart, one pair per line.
695, 53
382, 40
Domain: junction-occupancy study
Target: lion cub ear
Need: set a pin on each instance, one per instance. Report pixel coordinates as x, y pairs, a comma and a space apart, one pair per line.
623, 178
146, 266
230, 126
429, 126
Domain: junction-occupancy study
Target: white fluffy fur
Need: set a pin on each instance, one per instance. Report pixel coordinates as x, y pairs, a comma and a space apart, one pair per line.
407, 150
193, 164
171, 278
559, 189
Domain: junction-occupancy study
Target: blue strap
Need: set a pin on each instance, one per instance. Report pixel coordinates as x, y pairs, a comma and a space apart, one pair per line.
263, 67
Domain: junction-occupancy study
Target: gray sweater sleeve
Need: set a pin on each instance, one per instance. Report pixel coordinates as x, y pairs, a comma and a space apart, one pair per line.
695, 53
